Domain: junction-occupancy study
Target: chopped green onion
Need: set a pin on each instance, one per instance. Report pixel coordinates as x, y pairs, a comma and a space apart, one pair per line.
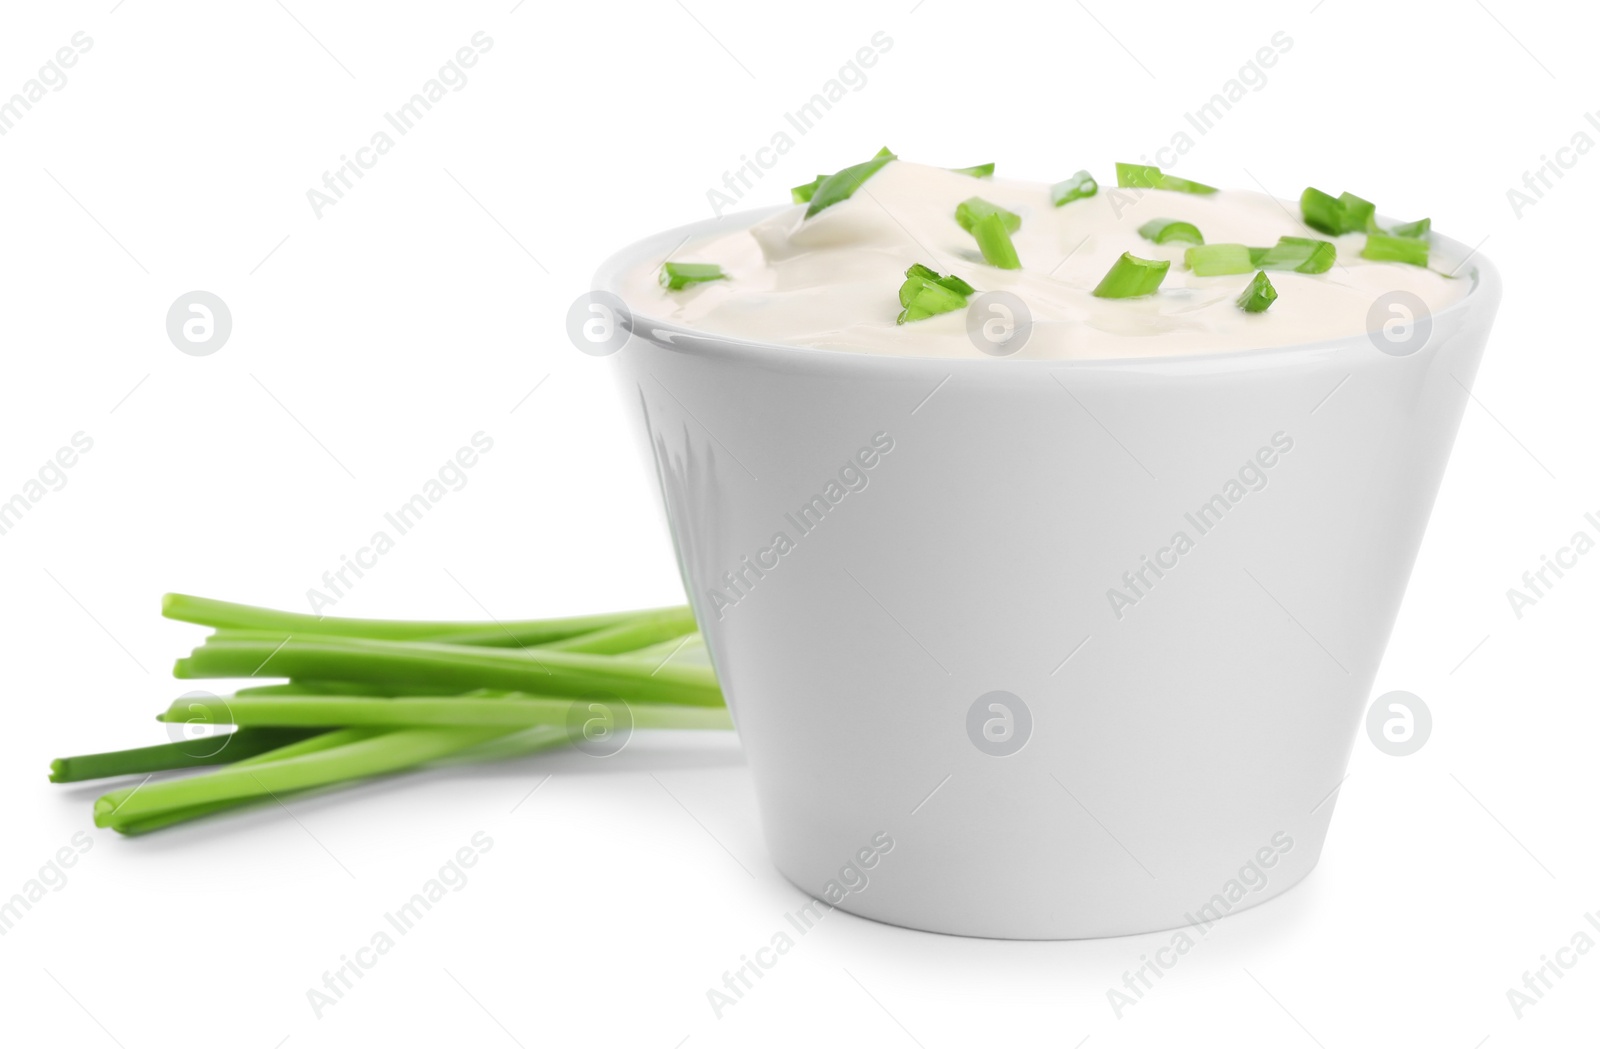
954, 283
1148, 176
1258, 294
1220, 260
803, 194
678, 275
1383, 248
1130, 276
1164, 231
993, 235
976, 171
1301, 254
1321, 212
972, 209
926, 294
922, 299
1077, 187
1417, 229
1360, 214
842, 184
1346, 213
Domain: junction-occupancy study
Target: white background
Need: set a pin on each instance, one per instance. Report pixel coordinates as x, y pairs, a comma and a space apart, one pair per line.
368, 344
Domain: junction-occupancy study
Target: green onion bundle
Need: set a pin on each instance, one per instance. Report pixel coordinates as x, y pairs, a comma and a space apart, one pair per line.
357, 698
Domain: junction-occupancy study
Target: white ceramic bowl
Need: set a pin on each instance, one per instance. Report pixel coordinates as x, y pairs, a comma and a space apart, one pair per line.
1179, 753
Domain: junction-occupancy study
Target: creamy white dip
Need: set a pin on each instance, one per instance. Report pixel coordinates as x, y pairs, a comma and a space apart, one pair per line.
831, 281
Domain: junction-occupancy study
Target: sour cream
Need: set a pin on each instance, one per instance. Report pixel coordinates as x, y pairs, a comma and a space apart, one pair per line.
831, 281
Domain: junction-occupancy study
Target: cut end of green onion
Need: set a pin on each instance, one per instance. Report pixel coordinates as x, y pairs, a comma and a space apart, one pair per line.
1359, 214
1165, 231
1137, 176
976, 171
842, 184
926, 294
1346, 213
954, 283
1383, 248
1148, 176
1301, 254
1130, 277
972, 209
1077, 187
1418, 229
993, 234
1258, 294
1221, 260
1321, 212
676, 276
803, 194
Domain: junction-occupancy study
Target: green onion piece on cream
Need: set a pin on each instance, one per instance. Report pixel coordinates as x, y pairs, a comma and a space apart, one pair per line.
926, 294
676, 276
954, 283
1077, 187
976, 171
1221, 260
972, 209
1148, 176
1164, 231
1381, 247
842, 184
803, 194
1417, 229
1359, 214
1346, 213
1258, 294
1130, 276
993, 235
1321, 212
1301, 254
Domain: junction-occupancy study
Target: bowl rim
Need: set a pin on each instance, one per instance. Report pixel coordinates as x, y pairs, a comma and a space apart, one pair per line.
669, 335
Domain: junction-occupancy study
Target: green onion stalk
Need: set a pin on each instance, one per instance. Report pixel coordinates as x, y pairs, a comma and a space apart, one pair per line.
352, 699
